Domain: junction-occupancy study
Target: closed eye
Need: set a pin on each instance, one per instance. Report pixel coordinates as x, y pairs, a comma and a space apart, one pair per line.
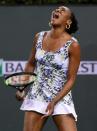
62, 9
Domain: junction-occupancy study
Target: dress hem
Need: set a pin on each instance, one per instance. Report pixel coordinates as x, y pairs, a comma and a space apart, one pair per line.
40, 107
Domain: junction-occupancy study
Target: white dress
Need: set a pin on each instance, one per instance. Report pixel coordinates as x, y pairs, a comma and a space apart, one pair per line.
51, 70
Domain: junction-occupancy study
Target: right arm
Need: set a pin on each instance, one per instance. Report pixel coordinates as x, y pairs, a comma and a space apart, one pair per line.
30, 66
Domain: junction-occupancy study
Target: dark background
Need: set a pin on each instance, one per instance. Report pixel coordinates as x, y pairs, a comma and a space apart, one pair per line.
18, 25
45, 2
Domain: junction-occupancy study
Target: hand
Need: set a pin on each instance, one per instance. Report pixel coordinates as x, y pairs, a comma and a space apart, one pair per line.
20, 95
20, 79
49, 110
24, 79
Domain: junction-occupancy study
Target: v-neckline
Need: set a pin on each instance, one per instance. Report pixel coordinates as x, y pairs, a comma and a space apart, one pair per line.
58, 50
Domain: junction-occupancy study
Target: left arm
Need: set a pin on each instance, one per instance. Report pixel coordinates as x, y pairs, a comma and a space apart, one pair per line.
74, 61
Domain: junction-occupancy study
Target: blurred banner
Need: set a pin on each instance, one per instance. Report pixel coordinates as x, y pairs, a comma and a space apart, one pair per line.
9, 67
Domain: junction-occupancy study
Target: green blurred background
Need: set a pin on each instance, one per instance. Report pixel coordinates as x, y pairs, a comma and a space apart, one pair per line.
43, 2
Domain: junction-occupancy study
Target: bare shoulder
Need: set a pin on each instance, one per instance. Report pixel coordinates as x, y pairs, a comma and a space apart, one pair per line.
74, 47
35, 39
36, 36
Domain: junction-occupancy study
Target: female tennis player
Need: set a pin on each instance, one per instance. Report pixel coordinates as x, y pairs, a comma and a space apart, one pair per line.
55, 58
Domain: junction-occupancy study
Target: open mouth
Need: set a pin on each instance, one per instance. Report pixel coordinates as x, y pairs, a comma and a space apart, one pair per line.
56, 16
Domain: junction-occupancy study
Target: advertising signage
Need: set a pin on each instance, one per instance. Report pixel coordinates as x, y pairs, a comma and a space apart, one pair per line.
9, 67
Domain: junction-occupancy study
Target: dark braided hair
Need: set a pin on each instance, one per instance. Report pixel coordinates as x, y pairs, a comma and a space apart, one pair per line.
74, 25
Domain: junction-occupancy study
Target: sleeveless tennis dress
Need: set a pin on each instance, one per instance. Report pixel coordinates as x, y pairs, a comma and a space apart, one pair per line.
51, 70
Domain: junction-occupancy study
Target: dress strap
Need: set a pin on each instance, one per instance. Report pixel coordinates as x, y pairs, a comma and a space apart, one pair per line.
69, 42
39, 40
67, 45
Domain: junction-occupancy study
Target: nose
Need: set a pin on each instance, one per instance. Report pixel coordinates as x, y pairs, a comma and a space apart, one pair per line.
57, 10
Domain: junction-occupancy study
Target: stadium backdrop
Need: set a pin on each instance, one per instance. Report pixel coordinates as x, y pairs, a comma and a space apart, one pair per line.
18, 25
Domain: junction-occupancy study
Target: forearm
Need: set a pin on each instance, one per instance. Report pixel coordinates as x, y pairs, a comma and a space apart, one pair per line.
67, 87
29, 67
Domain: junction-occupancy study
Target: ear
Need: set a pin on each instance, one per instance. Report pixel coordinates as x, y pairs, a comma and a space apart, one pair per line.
69, 22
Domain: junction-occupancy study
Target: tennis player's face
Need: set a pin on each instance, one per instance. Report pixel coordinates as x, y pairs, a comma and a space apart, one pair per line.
60, 16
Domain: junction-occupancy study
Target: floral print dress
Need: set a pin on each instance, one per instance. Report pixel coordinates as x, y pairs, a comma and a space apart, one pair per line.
51, 70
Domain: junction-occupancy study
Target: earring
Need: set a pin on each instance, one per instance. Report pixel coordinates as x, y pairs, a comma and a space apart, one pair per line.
67, 26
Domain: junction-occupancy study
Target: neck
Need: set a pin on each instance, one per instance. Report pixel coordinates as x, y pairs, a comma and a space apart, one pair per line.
57, 32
